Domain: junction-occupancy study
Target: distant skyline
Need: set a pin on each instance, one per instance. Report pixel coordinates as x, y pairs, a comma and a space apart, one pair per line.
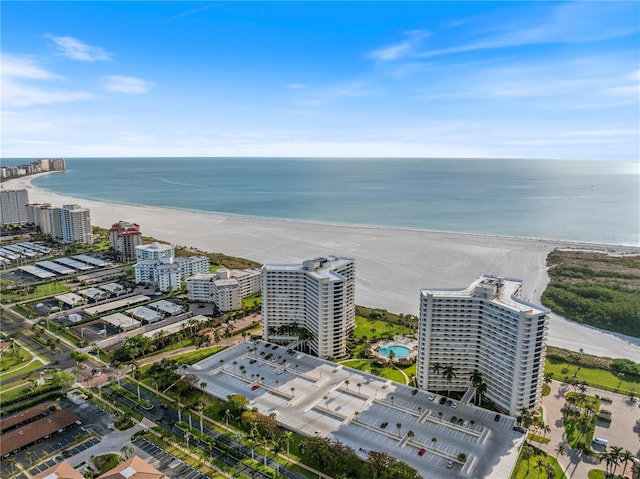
321, 79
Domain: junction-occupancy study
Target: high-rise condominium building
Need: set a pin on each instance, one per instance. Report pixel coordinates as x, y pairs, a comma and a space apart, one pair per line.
485, 327
40, 216
13, 207
318, 295
124, 237
71, 224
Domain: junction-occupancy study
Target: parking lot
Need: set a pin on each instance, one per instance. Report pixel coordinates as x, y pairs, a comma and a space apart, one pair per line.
66, 454
166, 463
313, 396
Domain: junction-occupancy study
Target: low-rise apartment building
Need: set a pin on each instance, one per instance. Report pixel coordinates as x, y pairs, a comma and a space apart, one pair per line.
225, 288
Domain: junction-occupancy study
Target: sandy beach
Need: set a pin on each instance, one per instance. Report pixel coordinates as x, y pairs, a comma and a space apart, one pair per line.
392, 264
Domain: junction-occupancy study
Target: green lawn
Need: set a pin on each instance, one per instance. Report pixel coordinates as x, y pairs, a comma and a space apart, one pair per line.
11, 359
572, 430
381, 329
531, 470
195, 356
368, 366
251, 301
596, 474
536, 438
594, 377
40, 291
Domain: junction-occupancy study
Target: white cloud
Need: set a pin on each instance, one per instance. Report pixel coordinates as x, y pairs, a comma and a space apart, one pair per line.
24, 67
402, 49
21, 94
126, 84
574, 22
18, 89
74, 49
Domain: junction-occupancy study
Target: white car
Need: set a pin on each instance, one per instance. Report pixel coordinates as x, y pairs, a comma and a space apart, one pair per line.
432, 397
449, 464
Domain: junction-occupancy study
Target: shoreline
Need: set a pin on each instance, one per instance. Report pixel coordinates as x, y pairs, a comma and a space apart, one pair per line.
392, 264
567, 243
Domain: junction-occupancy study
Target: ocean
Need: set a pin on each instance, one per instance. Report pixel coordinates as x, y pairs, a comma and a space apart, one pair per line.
587, 201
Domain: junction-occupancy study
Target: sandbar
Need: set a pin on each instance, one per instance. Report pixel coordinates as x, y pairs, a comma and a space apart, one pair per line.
391, 264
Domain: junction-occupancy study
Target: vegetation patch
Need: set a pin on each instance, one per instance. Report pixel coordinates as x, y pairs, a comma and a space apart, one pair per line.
536, 438
106, 462
595, 289
532, 464
603, 373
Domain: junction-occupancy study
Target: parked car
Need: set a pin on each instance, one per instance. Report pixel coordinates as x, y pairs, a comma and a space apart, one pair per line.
496, 418
443, 400
454, 404
252, 361
164, 406
384, 425
421, 451
449, 464
254, 387
414, 392
449, 402
432, 397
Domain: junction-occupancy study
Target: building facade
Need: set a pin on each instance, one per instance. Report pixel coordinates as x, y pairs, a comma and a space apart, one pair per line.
124, 237
168, 273
318, 295
155, 251
486, 327
225, 288
39, 215
13, 207
71, 224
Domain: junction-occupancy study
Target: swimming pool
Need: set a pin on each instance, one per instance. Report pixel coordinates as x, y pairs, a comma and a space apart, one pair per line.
398, 351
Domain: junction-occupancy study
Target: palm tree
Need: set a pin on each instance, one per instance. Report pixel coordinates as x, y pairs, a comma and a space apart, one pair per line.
540, 465
399, 427
481, 389
203, 385
410, 434
626, 457
449, 374
347, 384
560, 450
616, 454
433, 441
359, 385
435, 369
356, 414
293, 392
287, 437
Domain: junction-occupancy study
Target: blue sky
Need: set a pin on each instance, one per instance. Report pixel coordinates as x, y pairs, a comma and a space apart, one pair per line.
416, 79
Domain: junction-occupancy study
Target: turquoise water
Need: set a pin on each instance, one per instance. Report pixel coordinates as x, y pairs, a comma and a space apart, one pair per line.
398, 351
590, 201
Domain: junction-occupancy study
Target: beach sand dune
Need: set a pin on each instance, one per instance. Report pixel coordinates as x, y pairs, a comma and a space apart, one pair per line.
391, 264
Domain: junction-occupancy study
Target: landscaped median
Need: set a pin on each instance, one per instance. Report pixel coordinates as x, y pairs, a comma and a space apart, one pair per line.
119, 390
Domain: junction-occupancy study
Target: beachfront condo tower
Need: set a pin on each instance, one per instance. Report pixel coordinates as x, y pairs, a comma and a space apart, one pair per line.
124, 237
13, 207
71, 224
488, 328
317, 295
